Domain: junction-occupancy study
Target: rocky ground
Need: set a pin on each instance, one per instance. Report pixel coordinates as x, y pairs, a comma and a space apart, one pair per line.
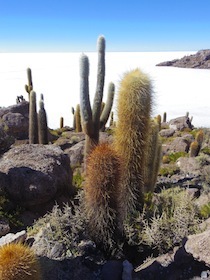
46, 178
200, 60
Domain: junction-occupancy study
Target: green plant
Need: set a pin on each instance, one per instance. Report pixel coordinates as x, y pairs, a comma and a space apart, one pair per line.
174, 156
205, 211
77, 179
206, 150
169, 217
169, 170
101, 194
17, 261
42, 124
33, 121
130, 141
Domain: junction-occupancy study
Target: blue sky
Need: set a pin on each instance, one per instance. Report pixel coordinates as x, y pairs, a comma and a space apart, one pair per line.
132, 25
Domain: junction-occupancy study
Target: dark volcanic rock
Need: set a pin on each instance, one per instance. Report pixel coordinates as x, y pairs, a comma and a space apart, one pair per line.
199, 60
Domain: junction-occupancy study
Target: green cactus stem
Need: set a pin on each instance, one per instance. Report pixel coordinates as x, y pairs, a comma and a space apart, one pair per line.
42, 124
33, 121
29, 86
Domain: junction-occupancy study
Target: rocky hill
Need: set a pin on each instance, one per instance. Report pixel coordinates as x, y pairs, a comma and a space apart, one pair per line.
200, 60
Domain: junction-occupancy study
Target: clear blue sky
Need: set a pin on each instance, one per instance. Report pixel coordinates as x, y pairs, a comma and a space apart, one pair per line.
131, 25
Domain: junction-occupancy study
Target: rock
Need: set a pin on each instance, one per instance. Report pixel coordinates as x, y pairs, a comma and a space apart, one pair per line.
180, 123
4, 227
36, 174
5, 140
76, 154
16, 119
127, 270
167, 132
198, 246
13, 238
112, 270
199, 60
189, 166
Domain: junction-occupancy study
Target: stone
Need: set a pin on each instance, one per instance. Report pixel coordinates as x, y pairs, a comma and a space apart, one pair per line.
76, 153
36, 174
112, 270
4, 227
198, 246
167, 132
13, 238
16, 119
180, 123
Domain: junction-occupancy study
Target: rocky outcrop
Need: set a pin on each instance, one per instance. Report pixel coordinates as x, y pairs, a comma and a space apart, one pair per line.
36, 174
180, 123
15, 120
199, 60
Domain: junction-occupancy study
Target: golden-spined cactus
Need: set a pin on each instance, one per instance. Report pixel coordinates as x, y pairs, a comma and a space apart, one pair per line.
18, 262
131, 134
101, 193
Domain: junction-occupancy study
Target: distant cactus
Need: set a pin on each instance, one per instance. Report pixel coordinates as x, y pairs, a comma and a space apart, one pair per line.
61, 122
153, 157
42, 123
108, 107
91, 117
33, 121
199, 137
18, 262
194, 149
158, 120
74, 117
111, 119
164, 117
29, 86
78, 127
131, 133
101, 194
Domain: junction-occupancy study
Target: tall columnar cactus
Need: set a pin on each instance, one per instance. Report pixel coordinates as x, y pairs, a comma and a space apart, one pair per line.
74, 117
18, 262
199, 137
153, 156
131, 133
78, 119
33, 121
101, 193
91, 117
61, 122
194, 149
42, 124
111, 119
29, 86
108, 106
164, 117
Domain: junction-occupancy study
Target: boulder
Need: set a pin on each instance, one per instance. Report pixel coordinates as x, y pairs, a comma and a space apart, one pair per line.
4, 227
180, 123
36, 174
5, 140
198, 246
76, 154
167, 132
16, 120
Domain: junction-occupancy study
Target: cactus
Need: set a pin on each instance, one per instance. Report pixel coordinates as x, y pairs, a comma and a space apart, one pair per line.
153, 157
33, 122
158, 120
164, 117
78, 119
29, 86
61, 122
101, 188
18, 261
111, 119
42, 123
91, 117
108, 106
199, 137
194, 149
74, 117
134, 107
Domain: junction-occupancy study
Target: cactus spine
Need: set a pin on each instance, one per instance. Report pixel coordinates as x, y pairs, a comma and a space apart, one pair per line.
33, 122
101, 185
42, 123
29, 86
18, 261
91, 117
134, 107
108, 106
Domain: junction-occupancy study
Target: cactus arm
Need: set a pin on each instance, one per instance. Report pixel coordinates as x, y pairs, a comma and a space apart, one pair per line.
99, 86
108, 106
85, 107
